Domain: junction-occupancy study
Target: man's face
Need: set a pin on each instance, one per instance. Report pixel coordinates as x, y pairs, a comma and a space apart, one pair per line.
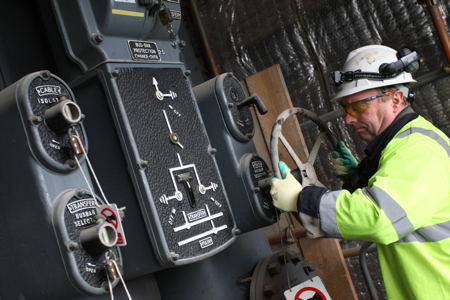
376, 117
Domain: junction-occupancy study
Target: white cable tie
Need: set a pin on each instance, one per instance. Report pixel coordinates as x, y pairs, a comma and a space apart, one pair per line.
86, 181
121, 279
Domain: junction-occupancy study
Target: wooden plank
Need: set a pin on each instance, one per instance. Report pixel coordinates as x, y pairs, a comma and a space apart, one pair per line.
269, 85
330, 266
326, 254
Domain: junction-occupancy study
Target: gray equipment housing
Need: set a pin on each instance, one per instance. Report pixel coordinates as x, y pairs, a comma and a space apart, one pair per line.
34, 204
137, 160
230, 129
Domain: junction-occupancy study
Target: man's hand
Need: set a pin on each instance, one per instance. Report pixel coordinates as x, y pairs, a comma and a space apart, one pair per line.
344, 163
285, 191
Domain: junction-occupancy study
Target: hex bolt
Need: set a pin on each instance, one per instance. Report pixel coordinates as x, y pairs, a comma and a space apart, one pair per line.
187, 73
80, 194
174, 256
230, 105
212, 150
181, 44
72, 246
236, 231
45, 75
115, 73
143, 164
97, 38
35, 120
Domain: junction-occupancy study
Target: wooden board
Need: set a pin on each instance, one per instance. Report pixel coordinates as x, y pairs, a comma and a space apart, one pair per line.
326, 254
269, 85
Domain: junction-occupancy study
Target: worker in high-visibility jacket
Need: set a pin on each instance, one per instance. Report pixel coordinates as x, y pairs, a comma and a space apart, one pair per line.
399, 195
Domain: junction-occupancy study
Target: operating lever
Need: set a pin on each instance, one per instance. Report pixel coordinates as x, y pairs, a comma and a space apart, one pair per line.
185, 179
254, 99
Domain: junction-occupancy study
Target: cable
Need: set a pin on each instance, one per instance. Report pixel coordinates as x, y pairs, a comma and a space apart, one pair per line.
110, 288
284, 250
365, 247
121, 279
91, 168
86, 180
297, 240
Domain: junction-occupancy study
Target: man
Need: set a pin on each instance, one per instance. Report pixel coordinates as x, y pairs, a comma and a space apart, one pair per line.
399, 195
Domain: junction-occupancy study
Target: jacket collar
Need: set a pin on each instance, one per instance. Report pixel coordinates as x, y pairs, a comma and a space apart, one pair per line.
383, 138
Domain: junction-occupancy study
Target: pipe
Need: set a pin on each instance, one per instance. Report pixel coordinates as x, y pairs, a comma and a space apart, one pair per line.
351, 252
441, 29
204, 39
366, 247
298, 233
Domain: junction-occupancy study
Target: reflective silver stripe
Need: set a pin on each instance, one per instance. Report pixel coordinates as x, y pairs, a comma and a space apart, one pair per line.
429, 133
432, 233
392, 210
327, 211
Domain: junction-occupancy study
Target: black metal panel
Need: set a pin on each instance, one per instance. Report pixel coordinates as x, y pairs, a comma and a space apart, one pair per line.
44, 91
240, 122
76, 210
181, 229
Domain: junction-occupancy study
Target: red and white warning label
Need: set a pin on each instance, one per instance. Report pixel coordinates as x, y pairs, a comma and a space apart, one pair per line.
308, 290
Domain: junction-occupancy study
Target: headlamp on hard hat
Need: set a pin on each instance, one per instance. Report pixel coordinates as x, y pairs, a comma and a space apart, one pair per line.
408, 61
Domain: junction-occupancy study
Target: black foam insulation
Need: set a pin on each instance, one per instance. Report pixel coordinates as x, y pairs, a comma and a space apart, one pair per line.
310, 38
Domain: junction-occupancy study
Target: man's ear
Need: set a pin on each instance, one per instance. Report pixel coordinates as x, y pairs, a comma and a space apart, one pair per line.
397, 101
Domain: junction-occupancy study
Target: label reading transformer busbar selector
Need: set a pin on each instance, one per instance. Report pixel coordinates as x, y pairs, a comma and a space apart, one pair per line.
143, 51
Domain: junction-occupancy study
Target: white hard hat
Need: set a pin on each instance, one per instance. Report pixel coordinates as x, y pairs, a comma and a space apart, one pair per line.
368, 59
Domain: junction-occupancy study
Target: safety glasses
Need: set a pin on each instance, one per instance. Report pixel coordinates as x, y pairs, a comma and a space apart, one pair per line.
358, 107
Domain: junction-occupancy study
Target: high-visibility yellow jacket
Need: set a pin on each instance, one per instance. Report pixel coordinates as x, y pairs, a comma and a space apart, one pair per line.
405, 209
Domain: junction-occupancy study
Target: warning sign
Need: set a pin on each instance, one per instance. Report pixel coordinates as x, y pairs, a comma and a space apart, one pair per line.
308, 290
111, 214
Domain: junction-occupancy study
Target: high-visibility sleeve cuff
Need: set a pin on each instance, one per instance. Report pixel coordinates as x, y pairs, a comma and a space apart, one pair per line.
328, 214
309, 200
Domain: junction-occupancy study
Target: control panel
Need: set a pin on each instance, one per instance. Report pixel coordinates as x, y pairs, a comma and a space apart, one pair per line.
51, 111
135, 51
47, 184
229, 122
185, 206
87, 231
182, 181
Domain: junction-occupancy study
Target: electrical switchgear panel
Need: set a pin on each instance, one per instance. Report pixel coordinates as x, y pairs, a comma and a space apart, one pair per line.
230, 126
187, 178
181, 192
48, 201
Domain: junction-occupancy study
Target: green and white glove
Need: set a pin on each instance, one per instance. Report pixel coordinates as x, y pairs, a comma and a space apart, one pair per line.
344, 163
285, 191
